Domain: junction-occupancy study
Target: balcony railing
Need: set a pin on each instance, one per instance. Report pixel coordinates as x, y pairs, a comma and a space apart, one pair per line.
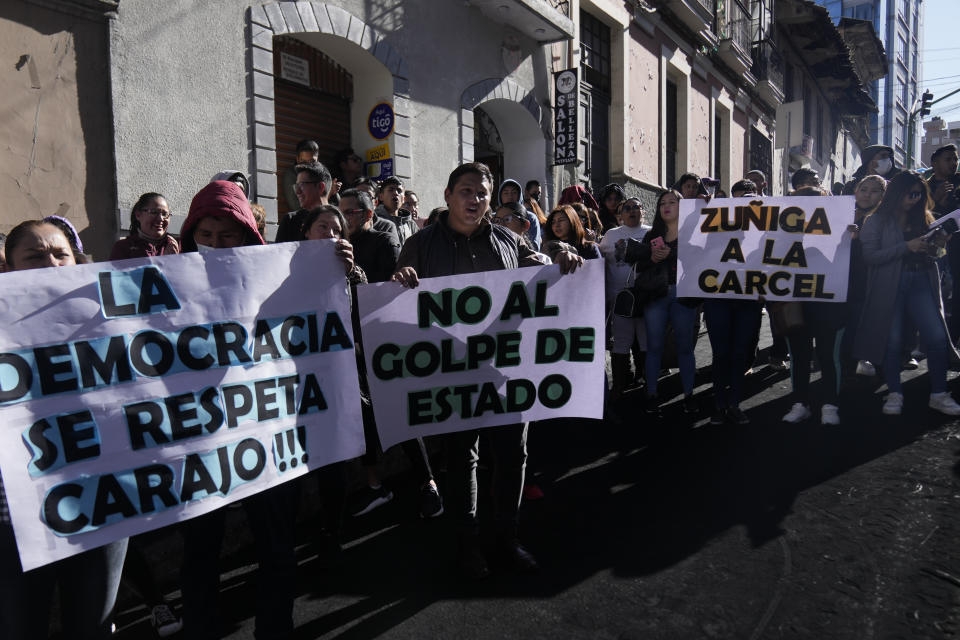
767, 64
563, 6
698, 15
735, 24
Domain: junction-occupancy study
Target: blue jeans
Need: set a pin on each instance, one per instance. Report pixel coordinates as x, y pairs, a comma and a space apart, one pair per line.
88, 590
683, 318
733, 326
916, 300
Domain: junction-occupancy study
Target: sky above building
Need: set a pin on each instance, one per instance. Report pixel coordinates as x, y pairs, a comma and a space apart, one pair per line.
940, 56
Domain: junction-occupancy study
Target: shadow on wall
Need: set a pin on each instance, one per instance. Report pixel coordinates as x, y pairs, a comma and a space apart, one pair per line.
58, 131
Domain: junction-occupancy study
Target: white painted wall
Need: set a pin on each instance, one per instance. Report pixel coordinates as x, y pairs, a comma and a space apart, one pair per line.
183, 97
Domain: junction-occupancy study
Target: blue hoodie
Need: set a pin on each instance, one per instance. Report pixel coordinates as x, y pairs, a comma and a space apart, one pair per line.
534, 233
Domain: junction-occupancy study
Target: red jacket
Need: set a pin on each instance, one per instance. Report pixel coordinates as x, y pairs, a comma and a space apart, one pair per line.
576, 193
220, 199
136, 246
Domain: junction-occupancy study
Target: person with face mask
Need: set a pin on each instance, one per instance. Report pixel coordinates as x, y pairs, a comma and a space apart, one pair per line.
877, 161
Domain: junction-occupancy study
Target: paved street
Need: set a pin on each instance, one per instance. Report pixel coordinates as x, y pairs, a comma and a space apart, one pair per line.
665, 531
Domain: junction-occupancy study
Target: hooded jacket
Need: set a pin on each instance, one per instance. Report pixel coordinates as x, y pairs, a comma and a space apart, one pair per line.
865, 157
576, 193
231, 176
609, 218
220, 199
534, 234
405, 225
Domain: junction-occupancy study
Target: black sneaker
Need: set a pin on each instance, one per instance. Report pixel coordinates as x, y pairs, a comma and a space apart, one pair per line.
369, 499
690, 406
652, 406
517, 557
329, 552
165, 623
737, 416
471, 561
718, 417
431, 504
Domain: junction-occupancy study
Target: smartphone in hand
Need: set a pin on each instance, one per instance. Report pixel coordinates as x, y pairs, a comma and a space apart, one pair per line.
657, 242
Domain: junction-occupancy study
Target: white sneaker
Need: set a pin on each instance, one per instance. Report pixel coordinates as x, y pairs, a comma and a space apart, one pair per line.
944, 403
893, 405
866, 368
798, 413
829, 414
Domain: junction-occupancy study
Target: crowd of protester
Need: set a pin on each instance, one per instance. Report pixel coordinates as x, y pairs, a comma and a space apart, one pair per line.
894, 310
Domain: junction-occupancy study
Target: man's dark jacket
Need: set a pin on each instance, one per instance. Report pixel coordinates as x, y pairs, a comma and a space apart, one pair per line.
437, 250
376, 253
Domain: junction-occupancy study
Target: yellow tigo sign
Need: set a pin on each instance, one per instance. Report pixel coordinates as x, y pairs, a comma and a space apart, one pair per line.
380, 152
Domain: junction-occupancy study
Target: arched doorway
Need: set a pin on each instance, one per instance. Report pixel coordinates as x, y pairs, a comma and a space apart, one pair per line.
312, 101
518, 147
487, 144
379, 75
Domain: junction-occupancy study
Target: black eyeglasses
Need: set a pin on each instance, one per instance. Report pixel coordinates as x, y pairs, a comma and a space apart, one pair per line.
632, 207
299, 185
164, 215
505, 219
915, 195
354, 212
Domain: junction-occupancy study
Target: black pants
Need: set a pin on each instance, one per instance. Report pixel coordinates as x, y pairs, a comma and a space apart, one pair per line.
801, 349
733, 326
508, 445
271, 515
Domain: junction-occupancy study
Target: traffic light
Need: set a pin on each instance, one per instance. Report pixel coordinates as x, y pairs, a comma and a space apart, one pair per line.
925, 103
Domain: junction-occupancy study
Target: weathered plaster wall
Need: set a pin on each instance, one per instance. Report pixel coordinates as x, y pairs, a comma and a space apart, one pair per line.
56, 132
644, 109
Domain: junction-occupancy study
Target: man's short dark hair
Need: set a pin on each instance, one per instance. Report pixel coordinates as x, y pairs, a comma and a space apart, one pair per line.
745, 185
362, 180
477, 168
363, 198
318, 172
763, 176
802, 175
531, 183
388, 181
342, 155
308, 145
942, 150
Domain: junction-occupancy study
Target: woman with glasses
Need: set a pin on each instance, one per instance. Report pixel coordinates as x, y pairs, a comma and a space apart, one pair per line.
902, 280
148, 237
513, 216
626, 331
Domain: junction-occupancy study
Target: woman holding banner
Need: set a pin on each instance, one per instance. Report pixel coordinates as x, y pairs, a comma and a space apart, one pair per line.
220, 218
657, 253
822, 330
899, 252
89, 580
868, 195
564, 226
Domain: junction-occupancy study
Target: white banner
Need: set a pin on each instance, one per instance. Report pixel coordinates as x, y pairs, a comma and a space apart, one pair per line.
793, 248
138, 393
484, 349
